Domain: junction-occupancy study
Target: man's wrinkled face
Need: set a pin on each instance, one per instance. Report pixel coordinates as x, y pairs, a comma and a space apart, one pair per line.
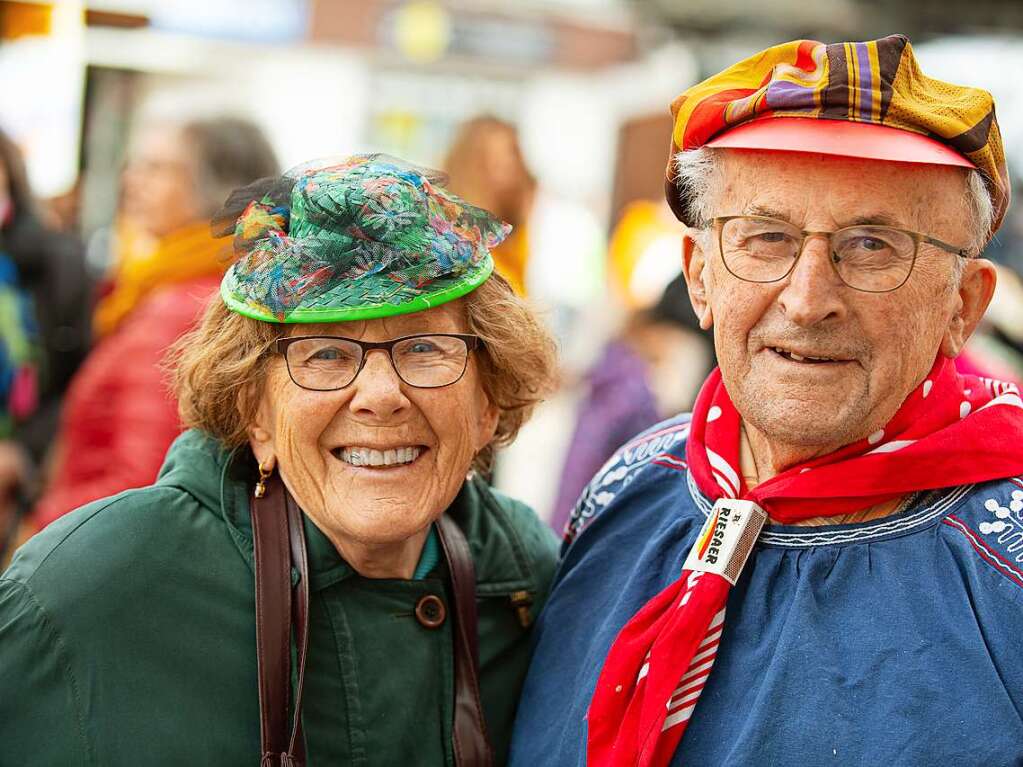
869, 350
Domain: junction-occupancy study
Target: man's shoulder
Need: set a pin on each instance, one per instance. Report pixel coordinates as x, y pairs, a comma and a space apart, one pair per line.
986, 525
646, 469
112, 538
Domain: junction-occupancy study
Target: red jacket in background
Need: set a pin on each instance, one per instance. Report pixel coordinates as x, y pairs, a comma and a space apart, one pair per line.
119, 415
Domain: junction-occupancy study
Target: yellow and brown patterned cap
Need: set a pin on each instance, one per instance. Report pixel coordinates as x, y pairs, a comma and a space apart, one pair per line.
876, 83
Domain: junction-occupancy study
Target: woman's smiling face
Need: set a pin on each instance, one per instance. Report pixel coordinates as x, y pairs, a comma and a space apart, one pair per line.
322, 441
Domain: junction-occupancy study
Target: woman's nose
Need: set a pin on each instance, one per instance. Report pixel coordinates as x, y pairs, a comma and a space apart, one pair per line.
812, 292
377, 388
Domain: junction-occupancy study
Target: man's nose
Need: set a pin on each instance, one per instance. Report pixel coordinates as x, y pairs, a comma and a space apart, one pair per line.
813, 290
377, 388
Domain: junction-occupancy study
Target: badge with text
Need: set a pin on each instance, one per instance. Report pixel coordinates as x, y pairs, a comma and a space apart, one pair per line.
727, 538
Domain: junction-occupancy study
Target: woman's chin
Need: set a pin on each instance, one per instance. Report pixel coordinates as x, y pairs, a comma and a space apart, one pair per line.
371, 515
375, 526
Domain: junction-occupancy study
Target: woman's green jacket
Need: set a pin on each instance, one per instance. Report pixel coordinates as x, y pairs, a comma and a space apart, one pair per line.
127, 632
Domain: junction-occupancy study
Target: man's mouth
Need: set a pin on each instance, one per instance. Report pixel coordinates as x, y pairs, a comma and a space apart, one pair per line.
378, 458
811, 359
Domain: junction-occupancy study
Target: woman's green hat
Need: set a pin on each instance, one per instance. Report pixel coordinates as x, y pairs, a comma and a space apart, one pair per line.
353, 239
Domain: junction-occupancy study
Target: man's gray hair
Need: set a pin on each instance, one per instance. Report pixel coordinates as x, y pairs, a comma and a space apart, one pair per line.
228, 152
982, 210
699, 173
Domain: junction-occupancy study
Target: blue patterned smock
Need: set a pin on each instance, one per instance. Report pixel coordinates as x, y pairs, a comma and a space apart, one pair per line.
892, 642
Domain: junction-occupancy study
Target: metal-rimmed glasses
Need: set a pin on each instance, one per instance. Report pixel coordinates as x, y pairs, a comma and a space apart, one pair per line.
424, 360
869, 257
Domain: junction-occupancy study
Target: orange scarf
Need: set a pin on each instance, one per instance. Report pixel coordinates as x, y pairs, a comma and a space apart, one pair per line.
187, 254
511, 258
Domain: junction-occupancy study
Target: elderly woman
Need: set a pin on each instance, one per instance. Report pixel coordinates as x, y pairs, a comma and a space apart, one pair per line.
321, 574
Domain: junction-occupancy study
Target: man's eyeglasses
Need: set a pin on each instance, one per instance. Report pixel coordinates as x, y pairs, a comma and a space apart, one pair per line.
874, 259
328, 363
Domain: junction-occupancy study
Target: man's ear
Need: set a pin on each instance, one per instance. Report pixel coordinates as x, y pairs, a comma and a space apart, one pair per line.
694, 267
975, 291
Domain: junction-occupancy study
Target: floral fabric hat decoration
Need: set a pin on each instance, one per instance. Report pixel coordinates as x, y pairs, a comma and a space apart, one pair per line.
353, 239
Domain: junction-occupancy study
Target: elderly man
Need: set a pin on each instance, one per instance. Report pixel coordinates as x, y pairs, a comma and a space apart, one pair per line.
819, 566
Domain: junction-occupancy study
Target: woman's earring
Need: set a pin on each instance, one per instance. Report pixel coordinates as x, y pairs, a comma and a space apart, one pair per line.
264, 475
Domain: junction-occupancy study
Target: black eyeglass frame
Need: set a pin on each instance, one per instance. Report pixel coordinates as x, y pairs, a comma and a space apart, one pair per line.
472, 343
917, 237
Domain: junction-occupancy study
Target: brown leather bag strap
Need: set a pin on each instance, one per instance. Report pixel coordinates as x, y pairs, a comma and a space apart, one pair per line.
300, 618
279, 545
469, 734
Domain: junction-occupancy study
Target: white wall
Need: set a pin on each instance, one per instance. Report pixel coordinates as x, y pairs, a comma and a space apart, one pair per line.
41, 99
310, 101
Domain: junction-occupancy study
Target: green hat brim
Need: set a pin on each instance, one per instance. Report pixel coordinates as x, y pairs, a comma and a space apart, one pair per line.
331, 305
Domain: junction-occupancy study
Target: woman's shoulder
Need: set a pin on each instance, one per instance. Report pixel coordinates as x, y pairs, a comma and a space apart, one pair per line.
536, 536
512, 547
115, 539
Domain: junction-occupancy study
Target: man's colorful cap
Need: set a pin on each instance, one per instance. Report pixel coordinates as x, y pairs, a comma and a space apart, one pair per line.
353, 239
866, 100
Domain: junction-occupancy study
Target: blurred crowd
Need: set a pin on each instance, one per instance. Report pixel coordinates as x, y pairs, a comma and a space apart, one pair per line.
86, 411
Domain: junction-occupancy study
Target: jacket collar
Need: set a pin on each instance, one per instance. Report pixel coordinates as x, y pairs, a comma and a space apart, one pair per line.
221, 481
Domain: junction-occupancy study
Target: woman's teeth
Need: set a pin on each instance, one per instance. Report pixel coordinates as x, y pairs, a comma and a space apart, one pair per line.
364, 456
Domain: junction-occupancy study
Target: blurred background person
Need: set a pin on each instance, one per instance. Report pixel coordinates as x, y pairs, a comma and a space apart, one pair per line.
119, 417
485, 166
553, 257
44, 332
652, 367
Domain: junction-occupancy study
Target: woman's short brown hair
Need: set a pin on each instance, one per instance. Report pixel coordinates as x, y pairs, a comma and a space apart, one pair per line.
217, 367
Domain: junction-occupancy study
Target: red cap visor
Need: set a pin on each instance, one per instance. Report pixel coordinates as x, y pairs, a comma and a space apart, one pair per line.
842, 138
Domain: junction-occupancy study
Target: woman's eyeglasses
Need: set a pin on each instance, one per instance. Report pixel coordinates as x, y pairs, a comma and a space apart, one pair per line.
328, 363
